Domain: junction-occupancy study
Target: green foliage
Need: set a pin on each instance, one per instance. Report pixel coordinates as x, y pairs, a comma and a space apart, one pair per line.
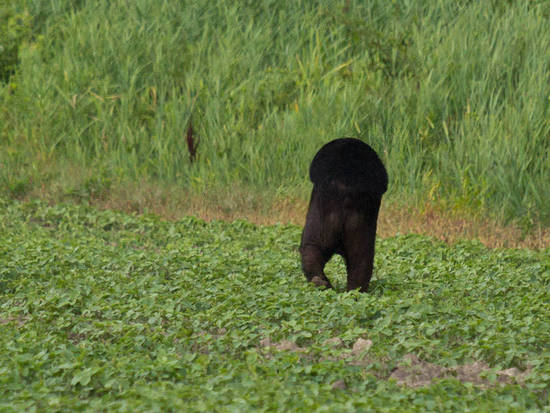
453, 94
15, 28
105, 311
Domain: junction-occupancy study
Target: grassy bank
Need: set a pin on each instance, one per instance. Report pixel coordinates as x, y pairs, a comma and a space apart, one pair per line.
453, 95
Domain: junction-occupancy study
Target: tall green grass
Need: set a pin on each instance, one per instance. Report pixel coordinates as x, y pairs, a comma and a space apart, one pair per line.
454, 95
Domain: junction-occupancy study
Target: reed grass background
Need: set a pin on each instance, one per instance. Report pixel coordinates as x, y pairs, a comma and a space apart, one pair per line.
454, 96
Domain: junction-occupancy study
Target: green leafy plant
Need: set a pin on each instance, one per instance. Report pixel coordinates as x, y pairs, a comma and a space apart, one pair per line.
105, 311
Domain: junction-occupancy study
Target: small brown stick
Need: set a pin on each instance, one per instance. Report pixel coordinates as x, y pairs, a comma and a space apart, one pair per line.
192, 143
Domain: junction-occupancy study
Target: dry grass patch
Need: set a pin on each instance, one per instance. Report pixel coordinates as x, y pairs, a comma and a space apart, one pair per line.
395, 218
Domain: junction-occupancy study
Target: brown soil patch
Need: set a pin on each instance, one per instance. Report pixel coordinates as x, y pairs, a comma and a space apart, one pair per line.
360, 347
451, 227
339, 385
76, 338
335, 342
20, 321
395, 217
413, 372
470, 372
283, 345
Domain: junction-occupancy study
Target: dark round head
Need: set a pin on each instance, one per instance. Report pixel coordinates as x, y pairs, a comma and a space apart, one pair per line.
351, 163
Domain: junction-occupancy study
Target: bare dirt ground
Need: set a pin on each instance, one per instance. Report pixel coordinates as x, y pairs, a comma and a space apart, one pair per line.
413, 372
21, 320
410, 371
395, 217
393, 220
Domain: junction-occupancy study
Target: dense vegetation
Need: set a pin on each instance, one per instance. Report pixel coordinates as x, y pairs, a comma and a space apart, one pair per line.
114, 312
453, 94
101, 310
